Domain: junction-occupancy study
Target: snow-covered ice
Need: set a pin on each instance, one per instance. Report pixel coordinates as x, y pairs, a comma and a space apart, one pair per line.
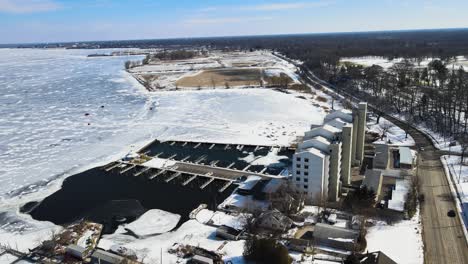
152, 222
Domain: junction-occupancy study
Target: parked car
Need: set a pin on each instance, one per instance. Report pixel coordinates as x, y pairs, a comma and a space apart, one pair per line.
451, 213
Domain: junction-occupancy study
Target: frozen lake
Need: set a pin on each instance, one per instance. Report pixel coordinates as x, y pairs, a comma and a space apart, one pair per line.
62, 112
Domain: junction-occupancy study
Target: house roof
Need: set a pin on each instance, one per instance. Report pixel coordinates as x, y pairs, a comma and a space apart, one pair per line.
250, 182
276, 215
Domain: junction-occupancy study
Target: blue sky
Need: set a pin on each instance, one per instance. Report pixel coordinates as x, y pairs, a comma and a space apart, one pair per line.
79, 20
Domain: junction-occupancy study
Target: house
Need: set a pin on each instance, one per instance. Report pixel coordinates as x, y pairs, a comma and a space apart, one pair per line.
104, 257
274, 220
227, 232
76, 251
373, 181
335, 237
377, 257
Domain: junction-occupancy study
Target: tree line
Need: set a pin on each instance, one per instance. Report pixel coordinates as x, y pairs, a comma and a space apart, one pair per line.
436, 94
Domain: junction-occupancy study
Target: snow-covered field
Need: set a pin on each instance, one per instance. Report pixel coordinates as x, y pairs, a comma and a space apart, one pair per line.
62, 112
164, 74
401, 241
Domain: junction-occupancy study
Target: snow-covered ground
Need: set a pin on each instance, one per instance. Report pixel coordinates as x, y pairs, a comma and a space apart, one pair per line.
401, 241
393, 134
190, 233
459, 173
367, 61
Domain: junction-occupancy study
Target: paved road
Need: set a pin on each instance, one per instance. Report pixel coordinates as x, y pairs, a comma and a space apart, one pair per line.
442, 235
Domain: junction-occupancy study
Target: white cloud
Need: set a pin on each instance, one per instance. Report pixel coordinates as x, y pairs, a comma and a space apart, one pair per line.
226, 20
286, 6
28, 6
270, 7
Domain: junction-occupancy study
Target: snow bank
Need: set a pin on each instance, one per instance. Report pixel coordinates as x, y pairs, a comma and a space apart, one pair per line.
152, 222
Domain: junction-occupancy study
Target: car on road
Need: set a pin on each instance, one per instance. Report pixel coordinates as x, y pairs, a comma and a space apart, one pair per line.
451, 213
421, 148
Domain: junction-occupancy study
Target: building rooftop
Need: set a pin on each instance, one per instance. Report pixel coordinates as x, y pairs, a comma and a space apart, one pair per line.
397, 202
325, 231
373, 180
406, 157
106, 256
344, 114
326, 131
315, 151
272, 186
337, 123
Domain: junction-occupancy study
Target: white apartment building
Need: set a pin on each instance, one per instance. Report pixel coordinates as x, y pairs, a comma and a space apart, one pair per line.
323, 160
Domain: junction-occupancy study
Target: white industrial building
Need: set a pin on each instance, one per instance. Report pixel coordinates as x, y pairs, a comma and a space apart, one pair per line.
323, 160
